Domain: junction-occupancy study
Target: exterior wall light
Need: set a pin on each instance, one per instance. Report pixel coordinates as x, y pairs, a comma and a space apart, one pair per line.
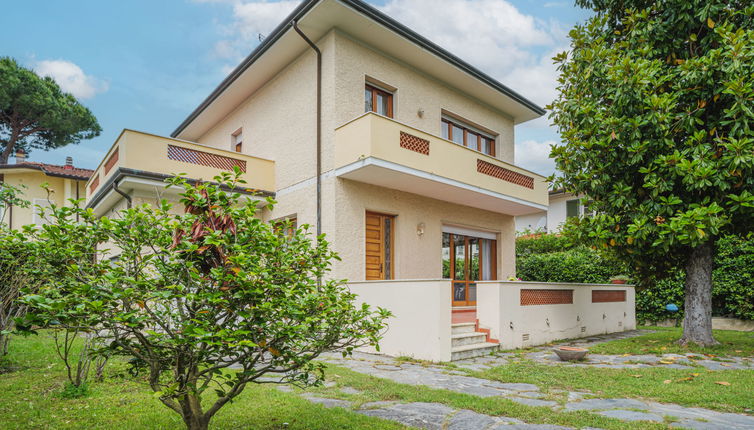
420, 229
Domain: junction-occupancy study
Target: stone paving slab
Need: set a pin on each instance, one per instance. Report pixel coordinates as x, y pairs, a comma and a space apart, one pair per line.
545, 355
624, 415
602, 404
429, 416
439, 377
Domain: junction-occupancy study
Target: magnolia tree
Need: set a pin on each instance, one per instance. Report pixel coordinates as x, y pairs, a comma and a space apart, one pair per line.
655, 110
208, 301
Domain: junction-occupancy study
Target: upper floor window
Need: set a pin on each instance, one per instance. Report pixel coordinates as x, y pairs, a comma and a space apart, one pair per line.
378, 101
468, 136
573, 208
236, 140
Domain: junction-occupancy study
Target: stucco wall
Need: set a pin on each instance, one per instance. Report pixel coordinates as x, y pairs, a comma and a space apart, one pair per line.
499, 309
532, 222
279, 119
355, 62
30, 183
416, 257
420, 326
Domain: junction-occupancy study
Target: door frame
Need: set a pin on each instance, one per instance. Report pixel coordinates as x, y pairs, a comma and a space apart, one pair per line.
467, 281
383, 259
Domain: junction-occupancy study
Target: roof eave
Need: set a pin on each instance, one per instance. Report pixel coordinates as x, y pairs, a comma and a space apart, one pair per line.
378, 17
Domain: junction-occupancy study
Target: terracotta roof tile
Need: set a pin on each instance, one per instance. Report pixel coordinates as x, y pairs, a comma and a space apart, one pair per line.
53, 169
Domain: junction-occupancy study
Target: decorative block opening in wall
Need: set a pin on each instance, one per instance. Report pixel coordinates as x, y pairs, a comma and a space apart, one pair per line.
413, 143
546, 297
504, 174
95, 183
112, 160
179, 153
607, 296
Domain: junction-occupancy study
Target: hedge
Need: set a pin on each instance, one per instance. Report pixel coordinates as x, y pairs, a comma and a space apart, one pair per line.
575, 265
553, 258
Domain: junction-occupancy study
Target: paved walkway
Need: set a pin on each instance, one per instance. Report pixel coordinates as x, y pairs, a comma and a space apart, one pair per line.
439, 416
545, 355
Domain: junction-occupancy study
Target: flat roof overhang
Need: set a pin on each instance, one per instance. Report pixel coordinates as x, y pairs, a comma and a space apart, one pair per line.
316, 18
387, 174
130, 182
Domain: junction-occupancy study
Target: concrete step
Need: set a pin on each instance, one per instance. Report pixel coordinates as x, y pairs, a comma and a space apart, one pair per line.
467, 339
461, 328
473, 350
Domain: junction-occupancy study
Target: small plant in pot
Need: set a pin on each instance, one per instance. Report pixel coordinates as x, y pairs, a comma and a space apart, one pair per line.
620, 279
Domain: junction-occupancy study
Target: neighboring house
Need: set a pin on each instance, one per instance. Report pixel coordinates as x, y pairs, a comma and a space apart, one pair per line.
64, 183
396, 149
562, 206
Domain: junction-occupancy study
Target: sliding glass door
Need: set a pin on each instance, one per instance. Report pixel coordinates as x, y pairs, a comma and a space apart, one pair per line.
466, 260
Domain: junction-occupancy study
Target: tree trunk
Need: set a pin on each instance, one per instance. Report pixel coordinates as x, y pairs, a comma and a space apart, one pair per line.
4, 340
192, 414
697, 320
196, 423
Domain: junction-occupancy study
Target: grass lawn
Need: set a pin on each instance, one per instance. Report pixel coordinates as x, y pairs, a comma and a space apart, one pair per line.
663, 341
30, 399
374, 389
697, 387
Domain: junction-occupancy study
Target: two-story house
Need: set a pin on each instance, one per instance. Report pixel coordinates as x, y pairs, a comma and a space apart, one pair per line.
63, 184
399, 151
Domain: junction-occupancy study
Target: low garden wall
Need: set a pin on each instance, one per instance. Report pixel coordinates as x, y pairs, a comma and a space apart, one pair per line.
421, 322
521, 314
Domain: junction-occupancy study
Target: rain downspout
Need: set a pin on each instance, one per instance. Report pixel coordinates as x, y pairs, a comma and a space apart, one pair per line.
294, 24
125, 196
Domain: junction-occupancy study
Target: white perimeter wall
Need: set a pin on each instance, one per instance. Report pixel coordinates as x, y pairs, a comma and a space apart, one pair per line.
499, 309
420, 326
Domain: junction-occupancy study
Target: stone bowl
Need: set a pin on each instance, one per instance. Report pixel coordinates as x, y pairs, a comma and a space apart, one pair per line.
570, 353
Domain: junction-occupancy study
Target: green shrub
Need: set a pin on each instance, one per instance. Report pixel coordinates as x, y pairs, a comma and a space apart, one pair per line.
576, 265
537, 243
651, 298
733, 278
554, 258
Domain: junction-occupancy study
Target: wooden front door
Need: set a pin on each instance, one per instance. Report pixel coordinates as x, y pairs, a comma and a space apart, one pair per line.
379, 230
466, 260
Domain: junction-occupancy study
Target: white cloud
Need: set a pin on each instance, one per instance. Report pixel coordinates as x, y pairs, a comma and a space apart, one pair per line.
251, 19
71, 78
491, 34
534, 155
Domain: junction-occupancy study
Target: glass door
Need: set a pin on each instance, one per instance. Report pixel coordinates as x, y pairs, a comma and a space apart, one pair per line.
466, 260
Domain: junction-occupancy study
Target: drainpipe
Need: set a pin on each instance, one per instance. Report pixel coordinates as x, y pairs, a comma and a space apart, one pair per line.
78, 185
125, 196
294, 24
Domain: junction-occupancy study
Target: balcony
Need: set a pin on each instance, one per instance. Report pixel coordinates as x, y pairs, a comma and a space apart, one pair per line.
377, 150
140, 162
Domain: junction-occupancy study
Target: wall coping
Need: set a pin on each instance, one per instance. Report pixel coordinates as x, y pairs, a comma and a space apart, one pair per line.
381, 281
557, 284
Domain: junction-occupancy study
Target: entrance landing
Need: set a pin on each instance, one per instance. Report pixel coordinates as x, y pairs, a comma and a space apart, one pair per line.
463, 315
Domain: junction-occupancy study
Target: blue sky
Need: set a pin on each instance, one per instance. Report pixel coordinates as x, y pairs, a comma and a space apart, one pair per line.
145, 64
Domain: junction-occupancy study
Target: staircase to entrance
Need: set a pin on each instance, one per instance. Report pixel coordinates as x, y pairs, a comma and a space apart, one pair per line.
468, 340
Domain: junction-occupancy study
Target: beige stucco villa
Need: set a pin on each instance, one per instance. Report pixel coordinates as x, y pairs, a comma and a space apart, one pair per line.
400, 152
64, 183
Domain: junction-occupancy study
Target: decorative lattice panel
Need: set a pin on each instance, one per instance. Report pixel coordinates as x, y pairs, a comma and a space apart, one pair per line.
179, 153
413, 143
546, 297
95, 183
502, 173
112, 160
605, 296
